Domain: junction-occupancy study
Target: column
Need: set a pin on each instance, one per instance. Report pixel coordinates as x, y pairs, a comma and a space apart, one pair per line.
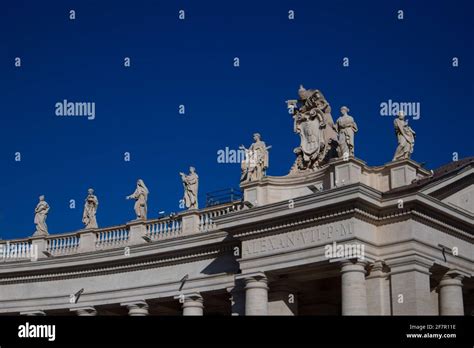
354, 293
136, 308
450, 294
378, 290
256, 294
85, 311
193, 304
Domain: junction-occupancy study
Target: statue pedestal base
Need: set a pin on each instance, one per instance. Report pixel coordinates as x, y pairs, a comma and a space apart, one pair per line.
137, 230
190, 221
402, 173
338, 172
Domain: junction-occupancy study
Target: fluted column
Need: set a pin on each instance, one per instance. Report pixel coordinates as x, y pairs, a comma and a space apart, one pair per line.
85, 311
450, 294
256, 294
354, 292
136, 308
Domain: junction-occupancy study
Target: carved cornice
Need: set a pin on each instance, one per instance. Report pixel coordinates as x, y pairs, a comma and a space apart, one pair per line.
102, 256
359, 201
320, 200
133, 264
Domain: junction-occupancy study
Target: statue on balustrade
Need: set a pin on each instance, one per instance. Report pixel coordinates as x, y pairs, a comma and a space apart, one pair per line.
141, 197
346, 127
313, 122
190, 184
41, 212
405, 136
90, 210
255, 164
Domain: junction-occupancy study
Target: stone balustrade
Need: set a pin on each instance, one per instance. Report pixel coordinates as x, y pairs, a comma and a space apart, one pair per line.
62, 244
206, 218
112, 237
14, 250
164, 228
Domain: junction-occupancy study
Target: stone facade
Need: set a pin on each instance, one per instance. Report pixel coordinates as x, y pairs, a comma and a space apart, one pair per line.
406, 237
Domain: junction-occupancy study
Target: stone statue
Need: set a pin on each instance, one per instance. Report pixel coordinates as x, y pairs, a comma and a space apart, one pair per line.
255, 164
313, 122
190, 184
141, 197
346, 127
405, 136
90, 210
41, 212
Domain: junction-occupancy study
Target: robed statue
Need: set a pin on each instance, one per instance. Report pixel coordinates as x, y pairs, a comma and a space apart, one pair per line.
41, 213
90, 210
255, 163
141, 197
346, 127
190, 185
405, 136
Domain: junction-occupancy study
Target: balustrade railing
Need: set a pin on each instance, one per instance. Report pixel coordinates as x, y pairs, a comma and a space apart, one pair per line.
207, 216
16, 250
62, 245
114, 237
164, 228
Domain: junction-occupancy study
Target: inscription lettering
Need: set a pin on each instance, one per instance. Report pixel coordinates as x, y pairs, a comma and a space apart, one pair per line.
298, 238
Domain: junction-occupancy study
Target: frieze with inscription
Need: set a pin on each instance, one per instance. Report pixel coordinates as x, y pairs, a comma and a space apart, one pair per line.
299, 239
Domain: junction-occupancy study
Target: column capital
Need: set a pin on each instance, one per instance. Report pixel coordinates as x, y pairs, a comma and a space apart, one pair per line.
136, 308
193, 303
85, 311
353, 265
189, 296
252, 277
377, 269
377, 265
451, 278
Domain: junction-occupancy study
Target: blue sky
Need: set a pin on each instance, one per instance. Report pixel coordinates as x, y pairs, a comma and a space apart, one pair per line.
190, 62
